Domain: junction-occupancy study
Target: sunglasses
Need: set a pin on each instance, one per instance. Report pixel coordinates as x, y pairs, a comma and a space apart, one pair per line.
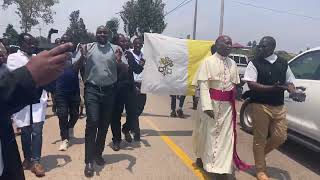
262, 46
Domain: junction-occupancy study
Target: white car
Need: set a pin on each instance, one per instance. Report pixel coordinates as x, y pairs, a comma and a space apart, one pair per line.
242, 62
303, 118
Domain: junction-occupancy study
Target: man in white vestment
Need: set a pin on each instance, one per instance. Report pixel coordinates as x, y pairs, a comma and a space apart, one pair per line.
214, 136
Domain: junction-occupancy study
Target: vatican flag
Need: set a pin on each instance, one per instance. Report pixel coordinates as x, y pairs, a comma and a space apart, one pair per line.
171, 64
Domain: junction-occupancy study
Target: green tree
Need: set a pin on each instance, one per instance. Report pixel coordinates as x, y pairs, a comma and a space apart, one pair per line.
31, 11
113, 25
140, 16
254, 43
249, 44
11, 34
77, 29
284, 55
91, 37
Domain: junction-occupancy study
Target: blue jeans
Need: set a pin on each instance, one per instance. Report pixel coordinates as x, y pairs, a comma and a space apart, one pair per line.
31, 140
174, 101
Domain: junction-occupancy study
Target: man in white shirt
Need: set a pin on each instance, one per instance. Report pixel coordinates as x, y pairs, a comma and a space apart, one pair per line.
31, 118
140, 98
268, 77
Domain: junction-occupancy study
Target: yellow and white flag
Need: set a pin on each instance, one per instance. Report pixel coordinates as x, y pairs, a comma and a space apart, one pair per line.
171, 64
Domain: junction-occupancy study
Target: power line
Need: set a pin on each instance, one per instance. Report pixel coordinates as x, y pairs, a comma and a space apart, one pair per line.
185, 2
277, 10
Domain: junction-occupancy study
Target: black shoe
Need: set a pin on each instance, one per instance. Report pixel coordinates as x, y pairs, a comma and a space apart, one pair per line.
127, 137
199, 163
116, 146
180, 113
173, 114
100, 161
137, 137
88, 170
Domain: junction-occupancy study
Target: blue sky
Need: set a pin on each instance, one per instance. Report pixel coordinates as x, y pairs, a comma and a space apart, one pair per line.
242, 23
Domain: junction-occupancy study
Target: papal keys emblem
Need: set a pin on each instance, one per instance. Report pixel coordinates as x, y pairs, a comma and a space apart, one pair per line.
165, 66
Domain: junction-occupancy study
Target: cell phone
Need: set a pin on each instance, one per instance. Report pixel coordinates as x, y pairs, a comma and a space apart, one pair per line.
53, 31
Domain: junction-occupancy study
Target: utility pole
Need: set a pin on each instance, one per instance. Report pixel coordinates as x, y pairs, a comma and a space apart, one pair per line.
195, 20
40, 31
221, 18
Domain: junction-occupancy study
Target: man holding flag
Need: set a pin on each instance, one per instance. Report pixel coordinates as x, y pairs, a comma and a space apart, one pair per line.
214, 136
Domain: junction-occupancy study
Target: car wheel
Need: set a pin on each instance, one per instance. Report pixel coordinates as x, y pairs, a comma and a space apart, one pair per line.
245, 117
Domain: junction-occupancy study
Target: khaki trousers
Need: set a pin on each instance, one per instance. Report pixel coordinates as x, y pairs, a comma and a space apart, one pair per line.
269, 131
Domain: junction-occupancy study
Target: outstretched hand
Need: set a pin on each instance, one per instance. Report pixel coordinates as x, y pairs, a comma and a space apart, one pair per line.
48, 65
118, 55
298, 96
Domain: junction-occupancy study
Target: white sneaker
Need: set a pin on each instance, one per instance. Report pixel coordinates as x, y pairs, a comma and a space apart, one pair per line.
64, 145
71, 133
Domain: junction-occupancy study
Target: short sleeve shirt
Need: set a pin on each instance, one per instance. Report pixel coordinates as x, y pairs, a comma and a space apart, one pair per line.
251, 73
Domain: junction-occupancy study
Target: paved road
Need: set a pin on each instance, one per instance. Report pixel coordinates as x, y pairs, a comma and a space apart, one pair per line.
165, 152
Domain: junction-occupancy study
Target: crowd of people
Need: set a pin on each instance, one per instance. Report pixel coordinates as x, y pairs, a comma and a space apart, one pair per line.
105, 77
107, 74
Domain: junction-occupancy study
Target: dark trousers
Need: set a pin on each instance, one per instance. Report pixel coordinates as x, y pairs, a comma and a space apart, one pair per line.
195, 102
67, 110
54, 107
135, 127
31, 140
99, 103
125, 97
174, 103
10, 153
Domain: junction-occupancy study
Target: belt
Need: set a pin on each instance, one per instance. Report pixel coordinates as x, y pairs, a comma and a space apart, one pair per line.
100, 88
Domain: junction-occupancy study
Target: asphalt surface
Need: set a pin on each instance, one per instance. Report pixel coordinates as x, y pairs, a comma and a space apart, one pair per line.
165, 152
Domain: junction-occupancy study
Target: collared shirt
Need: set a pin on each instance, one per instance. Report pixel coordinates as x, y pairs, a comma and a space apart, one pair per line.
137, 77
100, 67
251, 73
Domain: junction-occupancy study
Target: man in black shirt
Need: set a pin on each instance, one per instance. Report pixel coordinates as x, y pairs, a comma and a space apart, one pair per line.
18, 89
268, 77
126, 95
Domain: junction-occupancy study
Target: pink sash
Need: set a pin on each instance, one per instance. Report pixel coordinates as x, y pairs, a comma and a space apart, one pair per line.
229, 96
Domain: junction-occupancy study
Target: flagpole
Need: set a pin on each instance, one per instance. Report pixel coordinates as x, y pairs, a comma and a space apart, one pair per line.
195, 20
221, 18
